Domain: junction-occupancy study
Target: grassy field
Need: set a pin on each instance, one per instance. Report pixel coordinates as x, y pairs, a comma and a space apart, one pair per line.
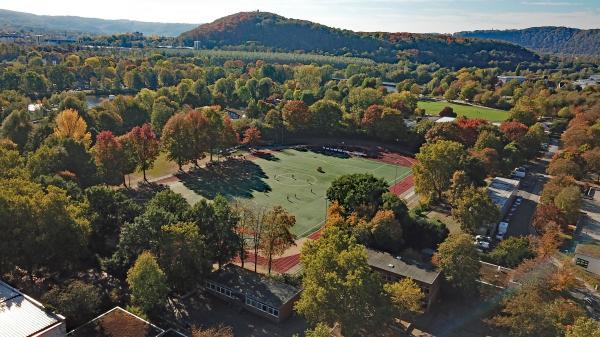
493, 115
288, 178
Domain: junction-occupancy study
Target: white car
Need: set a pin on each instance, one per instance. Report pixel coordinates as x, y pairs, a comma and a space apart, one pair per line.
482, 245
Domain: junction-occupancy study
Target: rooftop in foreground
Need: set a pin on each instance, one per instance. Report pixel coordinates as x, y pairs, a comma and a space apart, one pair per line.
117, 323
417, 271
588, 249
21, 315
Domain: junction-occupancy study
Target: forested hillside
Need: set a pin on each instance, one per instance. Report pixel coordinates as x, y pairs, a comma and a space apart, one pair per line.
560, 40
15, 21
257, 30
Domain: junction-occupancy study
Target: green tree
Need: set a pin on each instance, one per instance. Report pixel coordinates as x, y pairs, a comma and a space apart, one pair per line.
147, 283
436, 163
175, 140
183, 255
162, 109
459, 261
474, 209
359, 192
511, 251
340, 287
325, 116
79, 301
217, 221
568, 200
17, 127
26, 211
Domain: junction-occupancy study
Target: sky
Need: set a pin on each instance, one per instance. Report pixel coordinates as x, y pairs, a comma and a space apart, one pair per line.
442, 16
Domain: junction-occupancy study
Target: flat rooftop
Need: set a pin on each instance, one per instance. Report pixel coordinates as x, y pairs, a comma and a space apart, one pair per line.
117, 322
501, 189
588, 249
254, 285
421, 272
21, 315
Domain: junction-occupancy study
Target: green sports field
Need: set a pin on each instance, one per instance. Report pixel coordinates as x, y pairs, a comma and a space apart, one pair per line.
490, 114
288, 178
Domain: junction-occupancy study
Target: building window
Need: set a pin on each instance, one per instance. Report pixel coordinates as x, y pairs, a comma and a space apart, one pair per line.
582, 262
220, 290
262, 307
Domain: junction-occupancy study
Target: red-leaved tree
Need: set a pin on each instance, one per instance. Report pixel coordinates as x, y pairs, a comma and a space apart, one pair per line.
144, 148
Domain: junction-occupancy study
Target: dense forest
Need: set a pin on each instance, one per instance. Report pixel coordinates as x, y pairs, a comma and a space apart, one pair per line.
17, 21
255, 30
560, 40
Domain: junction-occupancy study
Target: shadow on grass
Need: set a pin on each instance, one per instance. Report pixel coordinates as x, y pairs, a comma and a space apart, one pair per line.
233, 178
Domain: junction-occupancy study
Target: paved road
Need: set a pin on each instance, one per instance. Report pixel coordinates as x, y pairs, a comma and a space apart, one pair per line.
530, 190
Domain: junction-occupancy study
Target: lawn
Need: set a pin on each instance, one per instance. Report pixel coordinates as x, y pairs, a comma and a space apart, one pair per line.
490, 114
288, 178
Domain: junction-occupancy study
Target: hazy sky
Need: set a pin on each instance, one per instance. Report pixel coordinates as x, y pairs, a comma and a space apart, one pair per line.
364, 15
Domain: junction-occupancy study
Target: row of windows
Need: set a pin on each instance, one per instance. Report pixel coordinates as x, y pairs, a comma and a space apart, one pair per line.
220, 289
262, 307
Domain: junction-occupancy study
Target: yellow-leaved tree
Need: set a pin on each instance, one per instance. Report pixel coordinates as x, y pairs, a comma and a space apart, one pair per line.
70, 125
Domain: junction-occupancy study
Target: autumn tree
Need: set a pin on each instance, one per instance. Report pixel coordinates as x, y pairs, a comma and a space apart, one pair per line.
277, 235
459, 261
584, 327
111, 157
144, 147
147, 283
199, 140
295, 115
383, 122
406, 296
219, 331
524, 111
435, 166
592, 161
514, 131
252, 136
70, 125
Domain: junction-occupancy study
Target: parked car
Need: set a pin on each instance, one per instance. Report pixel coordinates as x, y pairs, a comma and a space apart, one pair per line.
482, 245
502, 229
483, 238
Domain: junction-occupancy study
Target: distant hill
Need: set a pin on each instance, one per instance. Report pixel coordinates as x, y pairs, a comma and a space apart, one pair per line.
559, 40
261, 30
16, 21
